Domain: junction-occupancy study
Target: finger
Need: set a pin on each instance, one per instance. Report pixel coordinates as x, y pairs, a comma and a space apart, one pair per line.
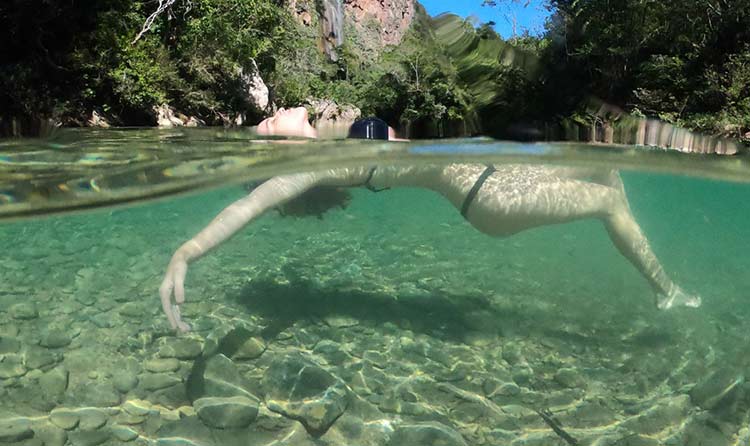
180, 271
165, 292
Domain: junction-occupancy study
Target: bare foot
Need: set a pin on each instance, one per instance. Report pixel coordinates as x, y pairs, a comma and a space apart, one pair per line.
677, 298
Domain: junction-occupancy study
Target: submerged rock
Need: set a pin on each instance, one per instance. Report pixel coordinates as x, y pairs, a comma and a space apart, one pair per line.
592, 413
89, 438
91, 418
426, 434
12, 367
124, 433
50, 434
253, 348
718, 389
218, 377
226, 413
64, 418
299, 389
132, 310
569, 377
158, 381
338, 321
13, 430
39, 358
181, 349
669, 412
24, 311
175, 441
9, 345
159, 365
124, 381
101, 395
54, 383
9, 331
701, 432
56, 338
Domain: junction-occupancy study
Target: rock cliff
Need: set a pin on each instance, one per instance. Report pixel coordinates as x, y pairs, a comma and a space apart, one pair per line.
390, 17
367, 24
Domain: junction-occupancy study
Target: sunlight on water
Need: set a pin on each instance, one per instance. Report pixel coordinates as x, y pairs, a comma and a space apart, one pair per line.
82, 169
391, 321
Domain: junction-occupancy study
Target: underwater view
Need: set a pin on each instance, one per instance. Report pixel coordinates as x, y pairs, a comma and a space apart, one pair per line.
374, 223
388, 321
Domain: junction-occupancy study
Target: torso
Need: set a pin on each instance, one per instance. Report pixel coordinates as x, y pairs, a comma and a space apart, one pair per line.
514, 197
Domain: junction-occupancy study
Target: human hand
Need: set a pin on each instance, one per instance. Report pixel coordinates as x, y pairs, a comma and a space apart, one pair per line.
174, 281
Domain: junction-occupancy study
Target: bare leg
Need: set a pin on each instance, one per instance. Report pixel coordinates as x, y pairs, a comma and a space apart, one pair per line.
503, 208
629, 239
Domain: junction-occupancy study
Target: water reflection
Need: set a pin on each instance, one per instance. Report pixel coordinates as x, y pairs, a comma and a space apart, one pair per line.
82, 169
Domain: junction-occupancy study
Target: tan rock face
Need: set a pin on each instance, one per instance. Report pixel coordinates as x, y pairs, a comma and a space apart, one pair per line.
302, 10
393, 17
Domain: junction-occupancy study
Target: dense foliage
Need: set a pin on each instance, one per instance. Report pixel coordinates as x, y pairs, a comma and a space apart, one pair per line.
62, 59
683, 61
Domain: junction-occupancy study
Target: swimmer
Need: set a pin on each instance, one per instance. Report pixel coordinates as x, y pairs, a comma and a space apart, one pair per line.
497, 200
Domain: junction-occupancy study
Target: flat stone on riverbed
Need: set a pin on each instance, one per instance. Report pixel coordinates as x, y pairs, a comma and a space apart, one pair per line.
89, 438
181, 349
55, 382
124, 433
101, 394
15, 430
24, 311
338, 321
718, 387
253, 348
426, 434
226, 413
9, 345
301, 390
569, 377
91, 418
132, 310
56, 338
124, 381
158, 381
11, 368
64, 418
174, 441
37, 357
160, 365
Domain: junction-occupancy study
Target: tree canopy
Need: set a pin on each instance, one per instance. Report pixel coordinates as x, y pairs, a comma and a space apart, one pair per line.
683, 61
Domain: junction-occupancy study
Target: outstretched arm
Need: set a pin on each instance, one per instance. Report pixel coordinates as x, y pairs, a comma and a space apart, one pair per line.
268, 195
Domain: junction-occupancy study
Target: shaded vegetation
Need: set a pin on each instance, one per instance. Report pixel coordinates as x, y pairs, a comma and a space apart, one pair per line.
684, 62
63, 59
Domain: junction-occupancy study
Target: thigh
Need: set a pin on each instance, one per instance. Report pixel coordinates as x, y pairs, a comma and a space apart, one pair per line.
514, 199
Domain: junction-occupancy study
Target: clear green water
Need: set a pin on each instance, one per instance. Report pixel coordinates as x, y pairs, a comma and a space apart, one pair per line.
390, 322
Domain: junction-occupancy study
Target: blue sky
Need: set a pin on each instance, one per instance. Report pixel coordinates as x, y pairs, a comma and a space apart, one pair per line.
529, 17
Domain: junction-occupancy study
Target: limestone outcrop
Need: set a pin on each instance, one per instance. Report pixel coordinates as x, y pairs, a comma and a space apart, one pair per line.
392, 17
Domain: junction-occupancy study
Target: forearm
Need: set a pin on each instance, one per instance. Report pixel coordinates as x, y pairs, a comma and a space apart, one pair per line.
268, 195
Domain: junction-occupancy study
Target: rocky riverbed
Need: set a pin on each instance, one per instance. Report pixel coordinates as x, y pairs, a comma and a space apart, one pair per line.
330, 344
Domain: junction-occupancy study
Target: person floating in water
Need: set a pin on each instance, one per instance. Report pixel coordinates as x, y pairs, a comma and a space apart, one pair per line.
497, 200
